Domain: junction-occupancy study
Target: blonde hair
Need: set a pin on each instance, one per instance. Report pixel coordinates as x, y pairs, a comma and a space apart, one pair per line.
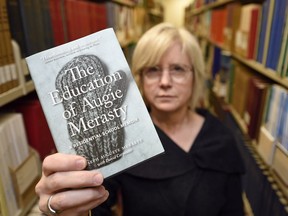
153, 44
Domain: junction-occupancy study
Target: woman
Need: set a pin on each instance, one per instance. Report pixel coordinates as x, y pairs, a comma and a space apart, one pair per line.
200, 172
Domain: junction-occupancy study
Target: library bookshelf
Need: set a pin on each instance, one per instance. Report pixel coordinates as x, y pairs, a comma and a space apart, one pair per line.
238, 58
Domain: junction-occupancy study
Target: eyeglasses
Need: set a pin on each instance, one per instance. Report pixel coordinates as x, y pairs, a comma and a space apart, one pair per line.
177, 72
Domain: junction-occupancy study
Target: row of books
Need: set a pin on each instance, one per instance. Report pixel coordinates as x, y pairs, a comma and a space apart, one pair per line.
14, 150
261, 106
41, 24
25, 141
254, 31
38, 133
252, 97
257, 100
36, 25
8, 72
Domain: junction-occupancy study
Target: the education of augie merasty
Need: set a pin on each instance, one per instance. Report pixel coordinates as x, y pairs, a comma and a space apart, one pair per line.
92, 103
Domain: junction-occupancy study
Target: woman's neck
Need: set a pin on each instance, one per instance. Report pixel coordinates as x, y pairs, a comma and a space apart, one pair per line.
172, 121
182, 127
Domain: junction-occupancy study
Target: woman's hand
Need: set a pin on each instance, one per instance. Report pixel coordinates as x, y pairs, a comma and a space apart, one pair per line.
74, 190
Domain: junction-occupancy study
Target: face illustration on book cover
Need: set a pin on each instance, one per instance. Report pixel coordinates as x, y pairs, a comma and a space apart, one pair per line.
93, 125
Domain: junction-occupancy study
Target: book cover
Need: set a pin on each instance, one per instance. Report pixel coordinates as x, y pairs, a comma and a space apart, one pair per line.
92, 104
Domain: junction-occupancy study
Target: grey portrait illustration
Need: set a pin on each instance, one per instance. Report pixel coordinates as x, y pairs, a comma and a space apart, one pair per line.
94, 98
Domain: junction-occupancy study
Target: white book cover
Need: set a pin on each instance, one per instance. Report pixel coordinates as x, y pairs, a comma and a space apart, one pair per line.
92, 104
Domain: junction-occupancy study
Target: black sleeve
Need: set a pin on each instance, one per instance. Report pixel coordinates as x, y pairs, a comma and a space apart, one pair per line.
105, 209
234, 199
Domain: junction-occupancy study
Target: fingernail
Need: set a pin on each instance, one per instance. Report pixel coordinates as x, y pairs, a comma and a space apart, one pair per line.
98, 178
81, 163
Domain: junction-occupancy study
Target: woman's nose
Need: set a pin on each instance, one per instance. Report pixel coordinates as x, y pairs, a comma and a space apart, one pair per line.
166, 78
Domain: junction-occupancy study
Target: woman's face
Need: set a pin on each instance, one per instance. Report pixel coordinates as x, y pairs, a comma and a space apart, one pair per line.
167, 86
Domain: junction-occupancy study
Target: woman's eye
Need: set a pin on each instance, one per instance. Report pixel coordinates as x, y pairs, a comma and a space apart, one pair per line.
153, 69
178, 69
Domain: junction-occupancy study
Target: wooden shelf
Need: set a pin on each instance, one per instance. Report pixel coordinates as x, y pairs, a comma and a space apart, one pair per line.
258, 67
271, 74
11, 95
24, 87
125, 3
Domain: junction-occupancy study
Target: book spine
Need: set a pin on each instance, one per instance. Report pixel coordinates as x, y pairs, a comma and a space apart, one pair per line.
276, 34
253, 33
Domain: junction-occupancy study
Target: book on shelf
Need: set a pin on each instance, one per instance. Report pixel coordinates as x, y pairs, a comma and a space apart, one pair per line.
92, 104
217, 25
246, 34
266, 145
241, 79
232, 25
253, 115
275, 111
77, 18
57, 15
276, 33
14, 150
264, 31
221, 81
38, 133
283, 57
279, 164
8, 73
98, 17
15, 21
254, 32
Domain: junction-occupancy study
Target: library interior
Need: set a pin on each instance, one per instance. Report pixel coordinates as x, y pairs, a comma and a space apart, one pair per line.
245, 48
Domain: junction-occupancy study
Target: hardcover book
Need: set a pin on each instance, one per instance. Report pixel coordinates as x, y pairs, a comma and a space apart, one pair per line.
92, 104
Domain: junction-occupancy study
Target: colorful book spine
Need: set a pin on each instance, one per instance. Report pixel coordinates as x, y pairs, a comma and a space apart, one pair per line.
276, 35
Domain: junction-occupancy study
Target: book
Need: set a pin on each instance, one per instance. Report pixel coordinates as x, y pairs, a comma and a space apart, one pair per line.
284, 44
218, 24
269, 13
279, 164
92, 104
276, 33
57, 21
255, 104
38, 133
264, 34
98, 17
242, 76
232, 25
253, 33
16, 25
13, 152
246, 34
266, 145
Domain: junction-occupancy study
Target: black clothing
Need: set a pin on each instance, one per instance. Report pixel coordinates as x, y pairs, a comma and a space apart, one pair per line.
206, 181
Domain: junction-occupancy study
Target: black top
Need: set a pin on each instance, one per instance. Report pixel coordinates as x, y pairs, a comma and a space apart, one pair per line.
206, 181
